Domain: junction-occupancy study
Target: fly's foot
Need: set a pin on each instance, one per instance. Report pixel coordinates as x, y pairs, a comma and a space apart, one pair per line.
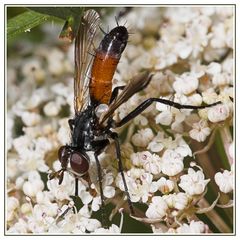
59, 175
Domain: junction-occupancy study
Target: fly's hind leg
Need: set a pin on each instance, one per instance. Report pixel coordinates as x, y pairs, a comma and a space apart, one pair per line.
138, 110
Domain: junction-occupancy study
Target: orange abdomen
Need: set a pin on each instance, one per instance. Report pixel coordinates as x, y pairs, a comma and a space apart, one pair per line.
103, 69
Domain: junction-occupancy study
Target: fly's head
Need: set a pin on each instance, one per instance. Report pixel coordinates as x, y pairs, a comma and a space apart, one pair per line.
79, 162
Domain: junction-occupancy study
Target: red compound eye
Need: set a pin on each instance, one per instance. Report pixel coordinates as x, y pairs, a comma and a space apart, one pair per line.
79, 162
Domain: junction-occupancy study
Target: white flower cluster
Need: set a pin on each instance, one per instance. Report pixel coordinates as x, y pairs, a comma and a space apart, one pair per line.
189, 50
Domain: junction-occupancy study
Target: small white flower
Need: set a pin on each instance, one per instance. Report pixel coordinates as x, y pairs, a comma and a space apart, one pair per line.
109, 191
44, 197
186, 83
84, 212
209, 96
155, 146
159, 142
165, 185
197, 35
222, 79
43, 144
181, 15
225, 181
31, 188
181, 200
64, 190
219, 35
10, 125
107, 181
78, 222
195, 99
228, 65
12, 168
172, 163
142, 137
63, 134
165, 118
30, 118
12, 206
60, 89
162, 55
19, 227
150, 162
214, 68
26, 209
112, 229
139, 184
40, 95
55, 61
200, 131
182, 147
140, 120
51, 109
193, 183
96, 203
19, 182
33, 68
85, 196
177, 201
20, 142
183, 48
218, 113
31, 153
157, 208
193, 227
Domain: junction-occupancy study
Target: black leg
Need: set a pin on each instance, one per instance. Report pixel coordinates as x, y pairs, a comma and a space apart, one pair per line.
149, 101
76, 187
115, 92
99, 171
114, 136
71, 124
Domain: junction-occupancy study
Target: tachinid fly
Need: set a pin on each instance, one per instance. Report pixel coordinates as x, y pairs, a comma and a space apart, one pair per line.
95, 102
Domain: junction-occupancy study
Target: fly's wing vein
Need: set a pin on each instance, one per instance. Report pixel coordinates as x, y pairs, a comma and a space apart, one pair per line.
83, 60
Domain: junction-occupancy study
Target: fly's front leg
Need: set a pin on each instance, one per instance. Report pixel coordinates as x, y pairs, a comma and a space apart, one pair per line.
76, 187
99, 146
99, 171
115, 137
138, 110
71, 124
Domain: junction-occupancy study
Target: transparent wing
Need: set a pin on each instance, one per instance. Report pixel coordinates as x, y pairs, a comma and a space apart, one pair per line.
136, 84
83, 59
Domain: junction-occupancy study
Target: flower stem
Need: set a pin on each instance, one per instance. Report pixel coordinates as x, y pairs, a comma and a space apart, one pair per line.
227, 140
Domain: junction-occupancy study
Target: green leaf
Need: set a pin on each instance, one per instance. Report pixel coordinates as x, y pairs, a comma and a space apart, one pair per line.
59, 12
24, 22
71, 15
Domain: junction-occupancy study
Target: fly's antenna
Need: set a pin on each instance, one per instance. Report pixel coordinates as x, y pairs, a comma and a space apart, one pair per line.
105, 33
124, 12
116, 21
125, 24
